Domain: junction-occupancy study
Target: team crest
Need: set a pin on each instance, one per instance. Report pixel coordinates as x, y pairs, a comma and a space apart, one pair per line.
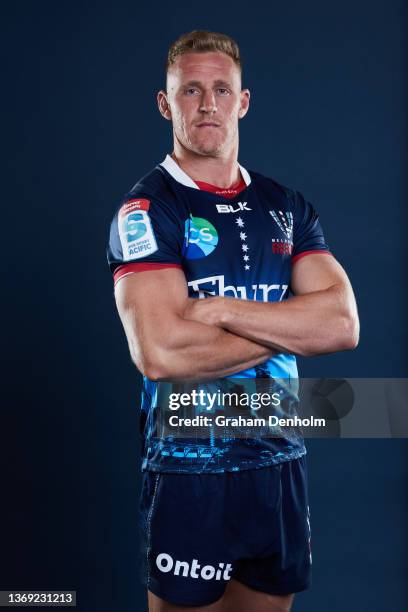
285, 223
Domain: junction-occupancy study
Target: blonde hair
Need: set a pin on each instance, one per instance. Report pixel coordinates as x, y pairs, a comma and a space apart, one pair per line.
203, 41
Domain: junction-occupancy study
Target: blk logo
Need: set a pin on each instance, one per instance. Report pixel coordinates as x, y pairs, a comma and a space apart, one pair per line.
232, 208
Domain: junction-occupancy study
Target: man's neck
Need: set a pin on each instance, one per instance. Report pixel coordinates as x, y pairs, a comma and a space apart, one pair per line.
213, 170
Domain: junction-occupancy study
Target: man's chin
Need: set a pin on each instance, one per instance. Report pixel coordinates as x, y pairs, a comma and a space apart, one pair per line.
208, 149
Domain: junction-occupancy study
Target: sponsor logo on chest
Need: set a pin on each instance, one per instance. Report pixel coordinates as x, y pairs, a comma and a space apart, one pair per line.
215, 285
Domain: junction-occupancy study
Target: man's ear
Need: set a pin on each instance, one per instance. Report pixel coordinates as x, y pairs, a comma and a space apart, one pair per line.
163, 105
244, 105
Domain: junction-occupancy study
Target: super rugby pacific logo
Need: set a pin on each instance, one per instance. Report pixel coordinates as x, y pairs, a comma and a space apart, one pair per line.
132, 217
135, 229
200, 238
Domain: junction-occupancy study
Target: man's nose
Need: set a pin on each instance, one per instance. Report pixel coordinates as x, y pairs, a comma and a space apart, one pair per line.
208, 104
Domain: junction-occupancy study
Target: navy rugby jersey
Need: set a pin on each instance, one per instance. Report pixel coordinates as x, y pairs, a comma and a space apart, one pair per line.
243, 247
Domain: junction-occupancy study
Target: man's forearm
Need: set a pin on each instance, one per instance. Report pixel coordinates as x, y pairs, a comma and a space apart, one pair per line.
164, 345
190, 350
315, 323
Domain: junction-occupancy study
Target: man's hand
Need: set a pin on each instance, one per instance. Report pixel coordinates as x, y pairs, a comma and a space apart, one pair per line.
320, 318
210, 311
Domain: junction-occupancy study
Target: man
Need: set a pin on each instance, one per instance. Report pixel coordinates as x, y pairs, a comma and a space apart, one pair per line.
224, 526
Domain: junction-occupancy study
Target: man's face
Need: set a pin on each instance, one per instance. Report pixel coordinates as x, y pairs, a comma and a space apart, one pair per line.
204, 101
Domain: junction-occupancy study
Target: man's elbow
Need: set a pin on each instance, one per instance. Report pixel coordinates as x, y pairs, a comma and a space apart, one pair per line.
154, 364
150, 366
347, 324
349, 333
152, 371
342, 335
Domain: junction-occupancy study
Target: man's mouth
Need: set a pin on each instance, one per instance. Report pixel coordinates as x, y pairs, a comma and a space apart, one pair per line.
208, 124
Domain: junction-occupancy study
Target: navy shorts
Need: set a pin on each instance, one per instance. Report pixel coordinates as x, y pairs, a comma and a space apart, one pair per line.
200, 530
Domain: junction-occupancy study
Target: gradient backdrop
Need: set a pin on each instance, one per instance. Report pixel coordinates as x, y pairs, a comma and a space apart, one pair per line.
328, 117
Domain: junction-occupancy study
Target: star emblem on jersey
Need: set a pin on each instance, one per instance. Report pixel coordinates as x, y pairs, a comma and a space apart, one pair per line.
243, 236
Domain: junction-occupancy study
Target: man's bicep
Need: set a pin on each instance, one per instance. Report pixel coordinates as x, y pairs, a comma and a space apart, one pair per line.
163, 291
316, 272
150, 303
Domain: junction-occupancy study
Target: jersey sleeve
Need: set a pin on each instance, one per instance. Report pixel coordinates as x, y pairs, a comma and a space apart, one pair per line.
145, 234
308, 234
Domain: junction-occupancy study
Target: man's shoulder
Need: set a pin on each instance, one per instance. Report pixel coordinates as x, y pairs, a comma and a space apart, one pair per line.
154, 184
154, 193
271, 186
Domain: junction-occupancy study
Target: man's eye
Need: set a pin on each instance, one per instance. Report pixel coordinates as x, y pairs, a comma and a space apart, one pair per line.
191, 91
223, 91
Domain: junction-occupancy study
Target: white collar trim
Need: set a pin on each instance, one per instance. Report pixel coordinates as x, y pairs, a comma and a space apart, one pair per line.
245, 175
180, 176
177, 173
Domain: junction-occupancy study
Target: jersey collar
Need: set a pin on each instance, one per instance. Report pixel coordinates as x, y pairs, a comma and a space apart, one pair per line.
181, 177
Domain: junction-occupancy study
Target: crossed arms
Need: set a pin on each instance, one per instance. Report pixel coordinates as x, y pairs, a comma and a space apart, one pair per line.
172, 337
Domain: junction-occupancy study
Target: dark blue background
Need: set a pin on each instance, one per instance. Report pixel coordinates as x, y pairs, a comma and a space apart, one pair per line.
328, 117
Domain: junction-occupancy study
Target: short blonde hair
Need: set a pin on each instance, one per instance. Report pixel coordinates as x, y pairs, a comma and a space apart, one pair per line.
203, 41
